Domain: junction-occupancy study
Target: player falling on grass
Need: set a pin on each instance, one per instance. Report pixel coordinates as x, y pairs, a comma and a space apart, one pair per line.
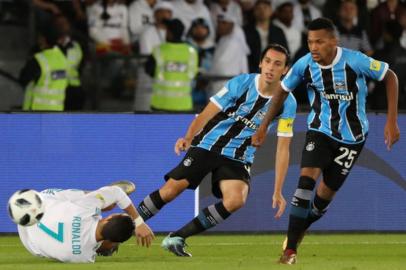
337, 124
72, 229
219, 141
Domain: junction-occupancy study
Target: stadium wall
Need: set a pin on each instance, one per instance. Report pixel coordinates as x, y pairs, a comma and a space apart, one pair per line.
86, 151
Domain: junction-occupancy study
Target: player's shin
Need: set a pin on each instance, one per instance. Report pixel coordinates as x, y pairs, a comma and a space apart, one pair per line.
151, 205
207, 218
319, 207
299, 211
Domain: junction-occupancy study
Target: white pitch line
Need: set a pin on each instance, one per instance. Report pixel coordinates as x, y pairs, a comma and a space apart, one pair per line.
267, 243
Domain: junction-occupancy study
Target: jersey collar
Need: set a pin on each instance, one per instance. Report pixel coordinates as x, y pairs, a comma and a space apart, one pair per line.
335, 61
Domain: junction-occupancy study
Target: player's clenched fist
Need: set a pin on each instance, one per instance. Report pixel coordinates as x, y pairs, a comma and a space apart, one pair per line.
182, 144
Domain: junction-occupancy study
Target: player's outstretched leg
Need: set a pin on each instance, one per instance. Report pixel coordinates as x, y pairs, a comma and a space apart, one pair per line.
207, 218
127, 186
154, 202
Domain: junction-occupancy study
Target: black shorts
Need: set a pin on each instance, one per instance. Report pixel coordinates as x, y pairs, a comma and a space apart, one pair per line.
334, 158
198, 162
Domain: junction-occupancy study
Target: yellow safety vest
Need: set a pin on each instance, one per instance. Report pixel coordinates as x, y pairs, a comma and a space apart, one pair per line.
74, 56
48, 93
176, 66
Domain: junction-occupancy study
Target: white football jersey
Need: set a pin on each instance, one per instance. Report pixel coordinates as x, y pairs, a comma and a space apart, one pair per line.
67, 231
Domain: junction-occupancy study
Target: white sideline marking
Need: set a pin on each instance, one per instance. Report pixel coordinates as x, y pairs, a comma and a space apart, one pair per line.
311, 243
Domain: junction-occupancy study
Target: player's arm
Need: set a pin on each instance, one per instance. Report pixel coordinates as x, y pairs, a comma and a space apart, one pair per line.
391, 131
105, 197
277, 101
183, 144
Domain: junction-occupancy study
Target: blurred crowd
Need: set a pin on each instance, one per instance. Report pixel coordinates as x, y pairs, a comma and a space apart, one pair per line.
175, 54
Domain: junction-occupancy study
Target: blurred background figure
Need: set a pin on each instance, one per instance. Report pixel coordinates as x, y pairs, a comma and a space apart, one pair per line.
189, 10
140, 15
351, 34
304, 11
174, 65
261, 32
75, 95
284, 20
197, 37
108, 26
384, 12
395, 55
229, 7
231, 53
152, 36
44, 76
331, 8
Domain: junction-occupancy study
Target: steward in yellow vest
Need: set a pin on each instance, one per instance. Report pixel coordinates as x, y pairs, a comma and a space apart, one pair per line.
45, 76
173, 64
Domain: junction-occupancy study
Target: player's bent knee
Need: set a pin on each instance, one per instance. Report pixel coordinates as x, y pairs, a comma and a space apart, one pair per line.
234, 203
172, 189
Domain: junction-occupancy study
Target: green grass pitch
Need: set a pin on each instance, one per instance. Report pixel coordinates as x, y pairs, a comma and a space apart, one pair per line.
222, 252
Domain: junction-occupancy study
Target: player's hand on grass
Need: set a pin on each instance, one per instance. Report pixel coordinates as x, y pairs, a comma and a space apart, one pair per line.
391, 133
259, 137
181, 145
144, 235
278, 201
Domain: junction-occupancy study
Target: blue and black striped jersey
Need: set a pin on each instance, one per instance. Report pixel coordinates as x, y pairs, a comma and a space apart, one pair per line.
242, 110
337, 93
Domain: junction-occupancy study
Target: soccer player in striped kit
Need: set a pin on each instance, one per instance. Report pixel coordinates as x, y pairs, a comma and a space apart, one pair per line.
219, 141
337, 124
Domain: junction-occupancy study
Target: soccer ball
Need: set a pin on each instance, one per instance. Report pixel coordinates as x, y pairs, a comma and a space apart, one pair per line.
25, 207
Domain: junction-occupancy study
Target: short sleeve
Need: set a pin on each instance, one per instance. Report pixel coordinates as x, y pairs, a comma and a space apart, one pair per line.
295, 75
228, 95
370, 67
286, 119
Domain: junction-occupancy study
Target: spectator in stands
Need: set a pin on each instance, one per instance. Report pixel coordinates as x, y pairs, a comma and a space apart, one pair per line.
247, 8
261, 32
229, 7
351, 35
384, 12
108, 26
197, 37
284, 20
44, 76
155, 34
331, 7
75, 94
189, 10
402, 22
303, 12
141, 15
173, 64
393, 54
231, 53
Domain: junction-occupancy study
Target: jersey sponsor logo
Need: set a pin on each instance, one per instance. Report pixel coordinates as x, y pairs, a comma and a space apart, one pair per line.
242, 119
310, 146
344, 97
222, 92
172, 66
187, 162
375, 65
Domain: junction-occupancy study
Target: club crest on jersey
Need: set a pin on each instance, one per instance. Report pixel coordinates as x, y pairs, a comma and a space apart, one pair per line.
260, 115
187, 162
310, 146
339, 86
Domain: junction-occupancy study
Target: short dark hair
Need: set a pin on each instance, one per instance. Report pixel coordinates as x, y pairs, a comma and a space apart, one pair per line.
276, 47
322, 24
118, 229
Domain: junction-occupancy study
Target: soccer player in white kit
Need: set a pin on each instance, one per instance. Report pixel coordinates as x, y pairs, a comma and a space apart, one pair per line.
73, 230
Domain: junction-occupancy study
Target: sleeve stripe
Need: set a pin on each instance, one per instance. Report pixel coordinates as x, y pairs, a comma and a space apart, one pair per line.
284, 87
385, 69
212, 99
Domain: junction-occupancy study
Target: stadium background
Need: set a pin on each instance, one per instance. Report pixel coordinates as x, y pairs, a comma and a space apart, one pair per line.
87, 151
